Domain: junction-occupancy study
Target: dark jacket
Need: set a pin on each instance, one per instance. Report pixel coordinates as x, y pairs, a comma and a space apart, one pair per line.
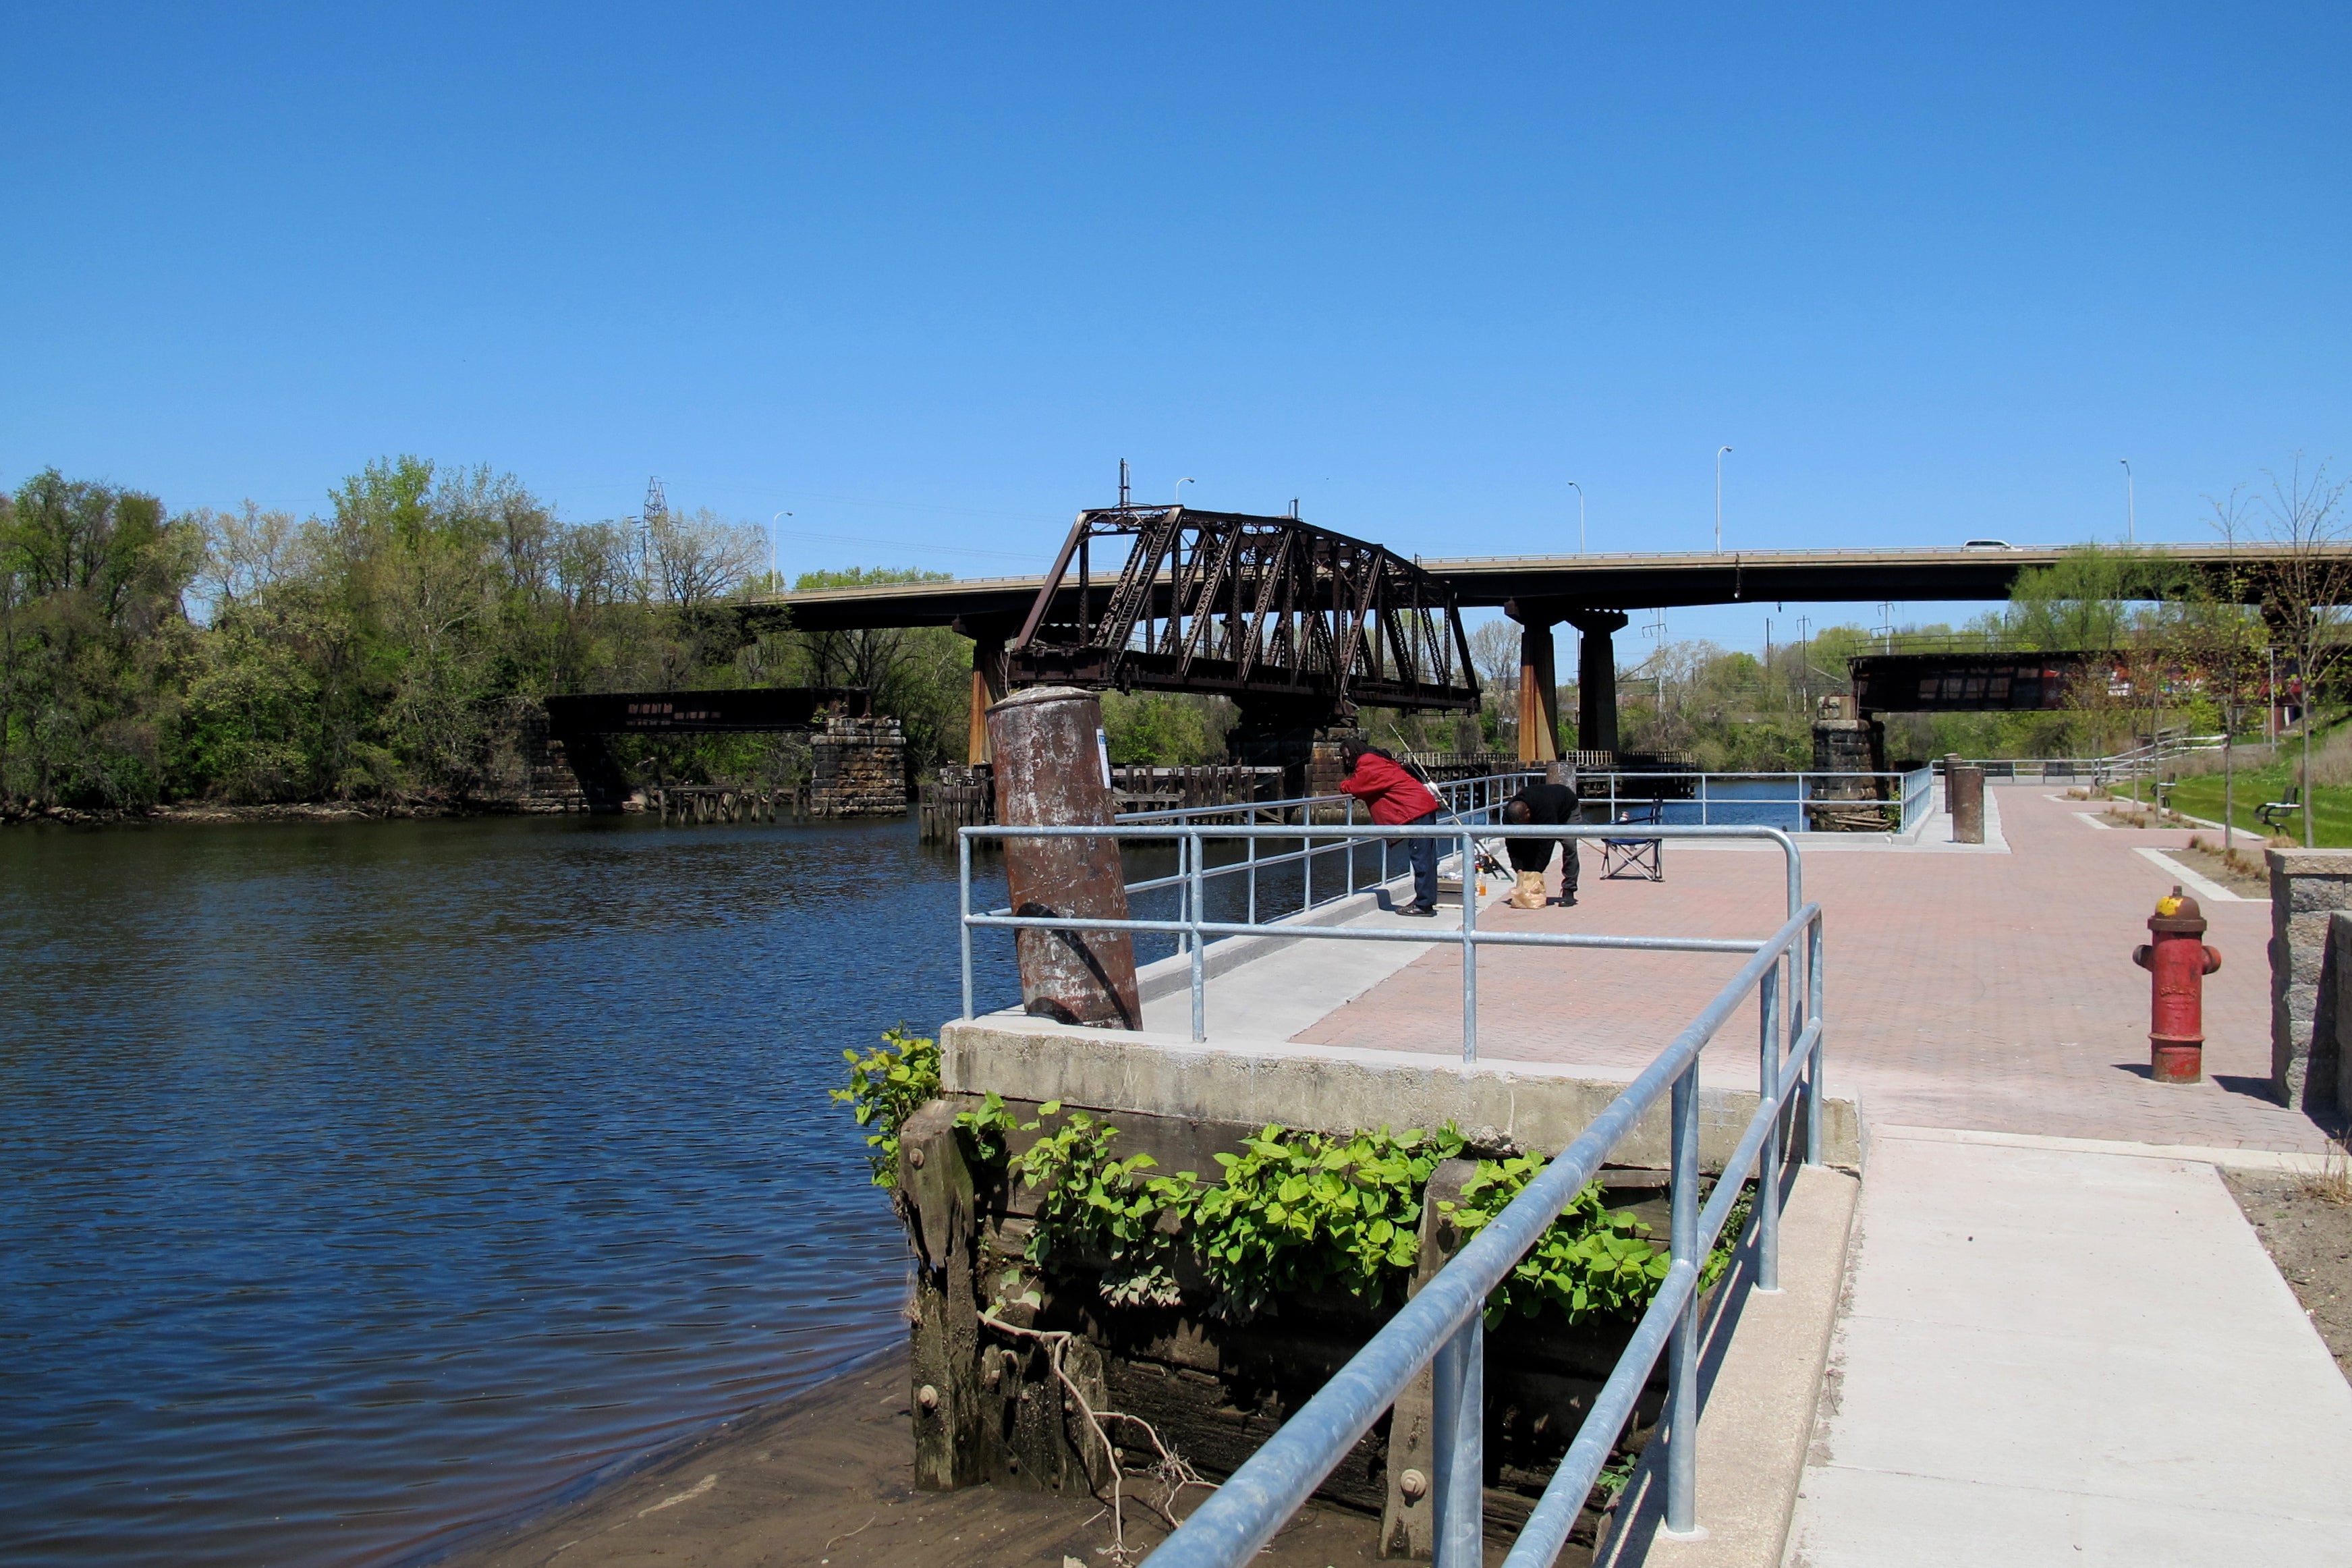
1550, 804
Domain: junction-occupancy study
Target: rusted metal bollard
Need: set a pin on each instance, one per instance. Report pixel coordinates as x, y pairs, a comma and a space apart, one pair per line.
1964, 795
1050, 774
2178, 962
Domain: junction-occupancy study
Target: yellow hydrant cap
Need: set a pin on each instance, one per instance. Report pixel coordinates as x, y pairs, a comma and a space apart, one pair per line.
2169, 906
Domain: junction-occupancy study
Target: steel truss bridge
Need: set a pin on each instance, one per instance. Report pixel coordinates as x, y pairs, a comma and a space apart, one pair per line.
1280, 615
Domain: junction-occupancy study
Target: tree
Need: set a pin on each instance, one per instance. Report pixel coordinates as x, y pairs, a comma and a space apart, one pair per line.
91, 626
2305, 586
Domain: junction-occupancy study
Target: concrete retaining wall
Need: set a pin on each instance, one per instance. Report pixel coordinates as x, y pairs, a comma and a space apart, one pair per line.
1534, 1105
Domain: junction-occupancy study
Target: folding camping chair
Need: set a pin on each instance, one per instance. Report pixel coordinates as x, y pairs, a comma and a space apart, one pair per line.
1635, 859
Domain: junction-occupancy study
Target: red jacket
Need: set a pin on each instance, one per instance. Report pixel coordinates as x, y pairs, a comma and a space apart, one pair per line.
1393, 795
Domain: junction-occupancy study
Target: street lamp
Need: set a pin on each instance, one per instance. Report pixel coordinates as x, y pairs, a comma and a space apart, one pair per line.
2131, 504
1719, 452
1179, 488
1580, 515
771, 545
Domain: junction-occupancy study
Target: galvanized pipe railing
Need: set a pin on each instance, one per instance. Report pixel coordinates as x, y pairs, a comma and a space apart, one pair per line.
1192, 928
1443, 1326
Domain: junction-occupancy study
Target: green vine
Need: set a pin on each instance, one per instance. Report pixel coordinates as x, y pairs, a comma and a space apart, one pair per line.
1317, 1211
1295, 1211
887, 1084
1593, 1261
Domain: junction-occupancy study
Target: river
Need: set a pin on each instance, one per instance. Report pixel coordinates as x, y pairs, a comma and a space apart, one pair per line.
360, 1183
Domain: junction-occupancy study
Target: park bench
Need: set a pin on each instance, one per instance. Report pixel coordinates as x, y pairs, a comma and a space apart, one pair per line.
1626, 859
2270, 811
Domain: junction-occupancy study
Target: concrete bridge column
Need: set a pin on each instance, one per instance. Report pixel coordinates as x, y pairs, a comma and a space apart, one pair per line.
990, 680
1538, 681
1596, 676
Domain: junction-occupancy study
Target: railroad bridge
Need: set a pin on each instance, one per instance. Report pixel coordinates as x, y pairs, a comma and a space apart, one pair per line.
1594, 593
582, 726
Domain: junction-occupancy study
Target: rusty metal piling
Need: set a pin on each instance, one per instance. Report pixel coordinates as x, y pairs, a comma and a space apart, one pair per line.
1051, 772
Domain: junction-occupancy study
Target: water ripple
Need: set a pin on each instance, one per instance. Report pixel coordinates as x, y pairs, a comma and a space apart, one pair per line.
361, 1182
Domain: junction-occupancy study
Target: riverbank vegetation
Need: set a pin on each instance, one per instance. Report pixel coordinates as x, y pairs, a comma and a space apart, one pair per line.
391, 647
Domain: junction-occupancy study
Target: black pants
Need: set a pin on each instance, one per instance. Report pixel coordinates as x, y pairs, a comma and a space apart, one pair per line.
1534, 855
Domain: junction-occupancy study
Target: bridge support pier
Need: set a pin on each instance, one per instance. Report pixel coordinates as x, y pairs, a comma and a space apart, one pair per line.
991, 680
1538, 679
1596, 676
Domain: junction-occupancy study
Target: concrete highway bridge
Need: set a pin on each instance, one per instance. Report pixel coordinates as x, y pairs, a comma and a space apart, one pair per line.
1594, 593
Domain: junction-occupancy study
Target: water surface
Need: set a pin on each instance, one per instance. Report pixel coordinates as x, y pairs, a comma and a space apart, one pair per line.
359, 1183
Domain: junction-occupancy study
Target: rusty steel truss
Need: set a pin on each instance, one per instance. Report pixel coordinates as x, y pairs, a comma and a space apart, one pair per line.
1261, 609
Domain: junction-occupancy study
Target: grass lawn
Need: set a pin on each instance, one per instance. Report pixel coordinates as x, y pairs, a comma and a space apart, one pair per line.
2201, 795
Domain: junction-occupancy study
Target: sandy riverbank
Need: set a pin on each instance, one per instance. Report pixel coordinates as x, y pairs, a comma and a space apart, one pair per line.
828, 1479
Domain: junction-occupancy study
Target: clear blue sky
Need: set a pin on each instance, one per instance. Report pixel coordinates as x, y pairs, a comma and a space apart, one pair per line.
923, 276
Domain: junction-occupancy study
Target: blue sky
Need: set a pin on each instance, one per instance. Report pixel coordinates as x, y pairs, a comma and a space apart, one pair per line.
921, 277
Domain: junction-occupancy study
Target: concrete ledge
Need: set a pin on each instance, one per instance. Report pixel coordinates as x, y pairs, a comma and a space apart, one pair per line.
1536, 1105
1167, 976
1762, 1359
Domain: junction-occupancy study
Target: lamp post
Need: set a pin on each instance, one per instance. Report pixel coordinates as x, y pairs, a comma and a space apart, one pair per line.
772, 547
2131, 504
1719, 452
1179, 490
1580, 515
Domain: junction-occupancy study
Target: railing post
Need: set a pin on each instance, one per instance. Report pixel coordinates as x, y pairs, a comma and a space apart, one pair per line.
1351, 846
964, 913
1306, 857
1702, 801
1252, 841
1200, 959
1458, 1439
1768, 1162
1469, 949
1820, 1053
1682, 1349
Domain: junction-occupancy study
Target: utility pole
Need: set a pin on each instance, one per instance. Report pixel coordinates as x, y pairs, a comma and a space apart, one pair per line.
1122, 482
1719, 452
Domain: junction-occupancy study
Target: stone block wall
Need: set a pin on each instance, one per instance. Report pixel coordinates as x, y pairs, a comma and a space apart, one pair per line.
859, 769
2307, 887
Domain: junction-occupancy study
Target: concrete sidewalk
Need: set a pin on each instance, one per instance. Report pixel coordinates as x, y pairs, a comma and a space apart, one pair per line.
2058, 1356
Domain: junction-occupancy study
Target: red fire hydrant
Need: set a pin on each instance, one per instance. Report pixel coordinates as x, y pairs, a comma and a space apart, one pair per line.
2177, 963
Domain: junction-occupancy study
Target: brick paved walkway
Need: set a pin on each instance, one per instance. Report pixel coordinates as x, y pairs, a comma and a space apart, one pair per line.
1984, 991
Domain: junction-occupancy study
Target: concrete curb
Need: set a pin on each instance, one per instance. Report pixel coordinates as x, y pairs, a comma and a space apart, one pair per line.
1762, 1361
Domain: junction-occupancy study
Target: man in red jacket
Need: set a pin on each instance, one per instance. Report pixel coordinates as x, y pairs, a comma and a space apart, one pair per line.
1397, 799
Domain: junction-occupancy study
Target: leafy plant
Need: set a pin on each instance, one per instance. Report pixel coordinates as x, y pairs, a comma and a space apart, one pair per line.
1317, 1211
1593, 1261
1093, 1200
987, 1126
887, 1084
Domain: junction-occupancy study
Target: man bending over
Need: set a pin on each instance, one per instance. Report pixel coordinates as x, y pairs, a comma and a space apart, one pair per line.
1553, 806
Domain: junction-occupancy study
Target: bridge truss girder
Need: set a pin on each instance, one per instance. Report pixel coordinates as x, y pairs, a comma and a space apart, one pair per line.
1267, 610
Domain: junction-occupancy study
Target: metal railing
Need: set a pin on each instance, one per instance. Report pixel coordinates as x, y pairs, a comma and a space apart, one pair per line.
1443, 1327
2141, 761
1466, 801
1193, 927
1707, 798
